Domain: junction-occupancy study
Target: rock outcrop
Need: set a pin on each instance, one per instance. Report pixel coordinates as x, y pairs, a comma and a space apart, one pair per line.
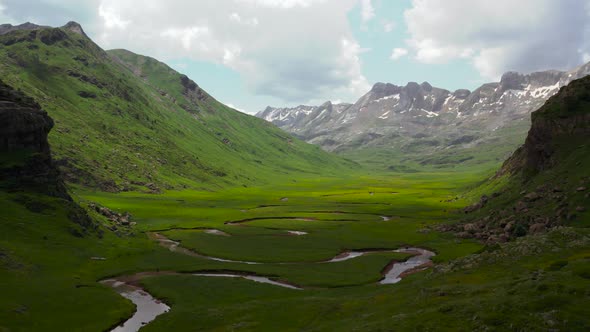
27, 162
566, 116
26, 166
548, 175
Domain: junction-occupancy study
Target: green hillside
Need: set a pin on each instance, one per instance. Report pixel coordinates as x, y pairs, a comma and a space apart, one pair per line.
128, 122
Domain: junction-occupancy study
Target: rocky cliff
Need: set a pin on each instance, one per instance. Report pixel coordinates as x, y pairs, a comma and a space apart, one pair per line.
546, 180
564, 118
26, 157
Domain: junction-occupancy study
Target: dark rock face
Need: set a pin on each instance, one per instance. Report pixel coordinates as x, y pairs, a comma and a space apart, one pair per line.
564, 120
10, 40
561, 117
52, 36
24, 127
23, 124
191, 89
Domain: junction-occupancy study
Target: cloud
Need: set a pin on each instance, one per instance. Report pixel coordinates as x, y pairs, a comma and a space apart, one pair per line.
285, 4
276, 46
533, 35
398, 53
236, 18
111, 19
388, 26
367, 10
237, 108
3, 17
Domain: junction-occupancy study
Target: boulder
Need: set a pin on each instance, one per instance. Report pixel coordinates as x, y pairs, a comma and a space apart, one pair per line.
537, 228
521, 206
470, 228
509, 227
532, 197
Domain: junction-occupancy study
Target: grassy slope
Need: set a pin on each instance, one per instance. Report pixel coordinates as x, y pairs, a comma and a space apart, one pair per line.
133, 133
399, 157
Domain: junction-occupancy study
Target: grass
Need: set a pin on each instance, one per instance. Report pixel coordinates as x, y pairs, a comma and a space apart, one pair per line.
496, 292
31, 242
536, 283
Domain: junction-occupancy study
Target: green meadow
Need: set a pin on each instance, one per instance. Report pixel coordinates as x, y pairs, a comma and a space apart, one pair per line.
519, 281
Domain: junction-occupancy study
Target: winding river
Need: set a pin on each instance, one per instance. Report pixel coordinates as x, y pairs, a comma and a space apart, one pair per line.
148, 307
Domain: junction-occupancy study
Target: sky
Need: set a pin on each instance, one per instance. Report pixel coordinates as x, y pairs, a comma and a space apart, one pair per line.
253, 53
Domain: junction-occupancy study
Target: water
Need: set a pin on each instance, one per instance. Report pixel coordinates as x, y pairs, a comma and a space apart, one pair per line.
259, 279
394, 274
147, 307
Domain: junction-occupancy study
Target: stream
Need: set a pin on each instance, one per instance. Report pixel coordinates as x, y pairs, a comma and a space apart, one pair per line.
148, 307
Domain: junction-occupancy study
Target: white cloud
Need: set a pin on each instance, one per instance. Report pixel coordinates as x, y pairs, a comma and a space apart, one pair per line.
398, 53
185, 36
284, 4
586, 57
236, 18
3, 17
111, 18
388, 26
276, 46
237, 108
367, 10
524, 35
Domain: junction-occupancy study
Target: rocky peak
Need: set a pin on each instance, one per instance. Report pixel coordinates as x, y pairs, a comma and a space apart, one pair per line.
545, 78
511, 81
461, 94
426, 86
412, 89
75, 28
381, 90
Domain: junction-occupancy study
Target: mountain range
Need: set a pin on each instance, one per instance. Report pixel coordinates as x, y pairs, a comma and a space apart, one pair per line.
419, 121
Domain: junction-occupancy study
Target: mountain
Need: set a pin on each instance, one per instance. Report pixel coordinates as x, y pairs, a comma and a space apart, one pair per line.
129, 122
421, 120
544, 184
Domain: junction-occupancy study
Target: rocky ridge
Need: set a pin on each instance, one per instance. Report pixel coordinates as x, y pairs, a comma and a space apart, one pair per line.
422, 118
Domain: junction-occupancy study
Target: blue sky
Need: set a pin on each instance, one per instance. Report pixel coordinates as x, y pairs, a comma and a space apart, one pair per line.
254, 53
378, 43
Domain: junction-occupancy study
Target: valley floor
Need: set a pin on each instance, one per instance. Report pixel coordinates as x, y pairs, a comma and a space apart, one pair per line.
51, 278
